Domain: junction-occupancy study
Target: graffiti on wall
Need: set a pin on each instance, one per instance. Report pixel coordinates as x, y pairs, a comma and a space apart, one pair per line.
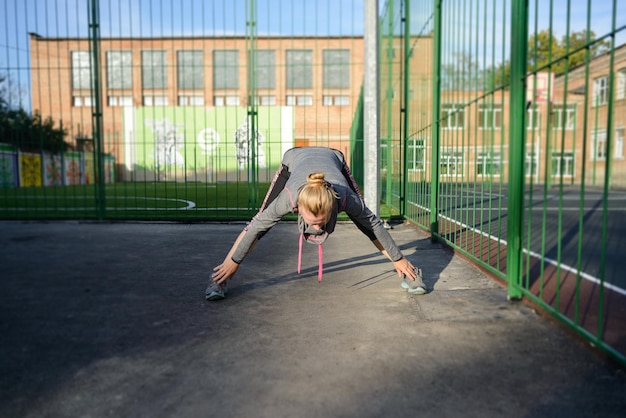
204, 138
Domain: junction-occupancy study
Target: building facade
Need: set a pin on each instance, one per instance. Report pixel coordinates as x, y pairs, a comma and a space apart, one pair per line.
172, 106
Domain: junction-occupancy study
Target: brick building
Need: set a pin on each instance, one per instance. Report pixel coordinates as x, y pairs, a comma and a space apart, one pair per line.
307, 91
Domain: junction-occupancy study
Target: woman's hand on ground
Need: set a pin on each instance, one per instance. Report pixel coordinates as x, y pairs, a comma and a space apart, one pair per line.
404, 266
224, 271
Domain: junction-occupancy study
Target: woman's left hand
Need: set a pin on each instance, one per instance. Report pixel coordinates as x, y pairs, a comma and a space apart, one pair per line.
404, 266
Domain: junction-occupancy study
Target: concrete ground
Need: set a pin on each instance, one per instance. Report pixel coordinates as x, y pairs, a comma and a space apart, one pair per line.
109, 320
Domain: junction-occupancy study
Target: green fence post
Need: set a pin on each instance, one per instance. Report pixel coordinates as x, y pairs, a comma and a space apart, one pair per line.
405, 103
517, 140
389, 56
252, 116
435, 131
97, 128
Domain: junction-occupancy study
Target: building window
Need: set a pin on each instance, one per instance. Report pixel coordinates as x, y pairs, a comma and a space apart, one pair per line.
190, 70
299, 68
82, 101
155, 101
621, 84
226, 100
190, 100
265, 100
336, 68
299, 100
451, 163
488, 164
533, 118
600, 91
416, 155
335, 100
452, 116
264, 69
154, 69
119, 101
618, 149
563, 164
531, 164
490, 116
599, 144
564, 116
226, 69
81, 70
119, 70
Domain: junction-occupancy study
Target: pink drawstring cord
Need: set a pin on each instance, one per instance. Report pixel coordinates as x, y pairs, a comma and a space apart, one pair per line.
320, 261
299, 253
320, 258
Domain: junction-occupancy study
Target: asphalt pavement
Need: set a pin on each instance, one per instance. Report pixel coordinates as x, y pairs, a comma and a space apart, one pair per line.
109, 320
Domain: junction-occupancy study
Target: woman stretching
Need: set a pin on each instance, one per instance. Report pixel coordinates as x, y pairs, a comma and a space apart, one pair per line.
315, 183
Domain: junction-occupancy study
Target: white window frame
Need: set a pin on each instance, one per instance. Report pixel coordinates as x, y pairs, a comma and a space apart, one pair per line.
264, 100
600, 91
618, 148
568, 111
120, 101
226, 100
599, 142
417, 149
531, 164
299, 100
490, 116
190, 100
598, 145
82, 101
455, 111
232, 100
451, 158
490, 160
621, 84
533, 118
156, 100
335, 100
563, 164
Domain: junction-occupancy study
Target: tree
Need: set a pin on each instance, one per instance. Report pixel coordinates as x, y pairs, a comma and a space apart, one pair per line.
577, 42
28, 132
543, 49
498, 76
548, 53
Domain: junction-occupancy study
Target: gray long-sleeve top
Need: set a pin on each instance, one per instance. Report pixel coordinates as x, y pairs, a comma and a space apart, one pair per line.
300, 162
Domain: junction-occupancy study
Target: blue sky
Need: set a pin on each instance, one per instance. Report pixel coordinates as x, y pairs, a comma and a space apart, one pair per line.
147, 18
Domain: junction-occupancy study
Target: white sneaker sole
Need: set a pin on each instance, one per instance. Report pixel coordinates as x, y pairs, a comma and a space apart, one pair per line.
414, 291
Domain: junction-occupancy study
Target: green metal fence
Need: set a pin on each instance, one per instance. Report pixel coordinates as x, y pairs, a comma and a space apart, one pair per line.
168, 109
503, 124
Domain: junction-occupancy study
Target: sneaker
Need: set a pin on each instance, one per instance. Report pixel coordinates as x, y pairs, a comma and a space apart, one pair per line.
216, 291
414, 287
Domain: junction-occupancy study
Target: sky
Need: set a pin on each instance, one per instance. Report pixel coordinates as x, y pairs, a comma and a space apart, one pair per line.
482, 26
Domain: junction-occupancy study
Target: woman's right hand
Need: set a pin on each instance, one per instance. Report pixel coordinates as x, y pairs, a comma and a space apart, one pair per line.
224, 271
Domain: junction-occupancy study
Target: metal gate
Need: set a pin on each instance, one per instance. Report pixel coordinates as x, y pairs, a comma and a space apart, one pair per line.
503, 126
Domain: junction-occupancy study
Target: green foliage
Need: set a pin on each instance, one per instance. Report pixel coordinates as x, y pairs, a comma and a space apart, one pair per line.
545, 52
29, 132
548, 53
498, 76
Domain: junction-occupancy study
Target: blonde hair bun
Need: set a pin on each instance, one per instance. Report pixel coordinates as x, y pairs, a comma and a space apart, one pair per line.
317, 196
